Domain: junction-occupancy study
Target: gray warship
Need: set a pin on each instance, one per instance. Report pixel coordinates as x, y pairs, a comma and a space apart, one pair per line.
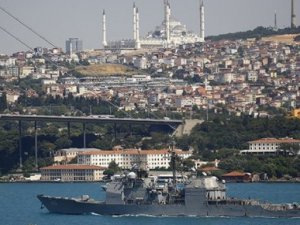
135, 193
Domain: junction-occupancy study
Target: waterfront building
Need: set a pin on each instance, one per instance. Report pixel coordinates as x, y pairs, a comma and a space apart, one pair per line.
72, 172
127, 158
269, 146
236, 176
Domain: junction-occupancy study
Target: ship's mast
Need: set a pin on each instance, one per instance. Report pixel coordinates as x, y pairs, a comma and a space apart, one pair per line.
173, 164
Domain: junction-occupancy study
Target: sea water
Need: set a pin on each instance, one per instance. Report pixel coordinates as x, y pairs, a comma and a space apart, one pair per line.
19, 205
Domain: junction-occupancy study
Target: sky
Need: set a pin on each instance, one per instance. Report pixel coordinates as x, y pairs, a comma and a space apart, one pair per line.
58, 20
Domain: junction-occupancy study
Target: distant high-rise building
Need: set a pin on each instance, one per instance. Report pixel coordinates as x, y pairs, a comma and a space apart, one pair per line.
73, 45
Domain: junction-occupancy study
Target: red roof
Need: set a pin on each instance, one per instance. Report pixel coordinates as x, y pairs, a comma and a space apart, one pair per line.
275, 140
73, 167
132, 152
210, 168
234, 174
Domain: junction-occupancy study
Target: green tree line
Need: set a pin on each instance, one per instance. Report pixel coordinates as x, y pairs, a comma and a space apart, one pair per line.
256, 33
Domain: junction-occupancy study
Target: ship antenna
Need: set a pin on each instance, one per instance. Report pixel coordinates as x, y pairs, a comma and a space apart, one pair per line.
173, 163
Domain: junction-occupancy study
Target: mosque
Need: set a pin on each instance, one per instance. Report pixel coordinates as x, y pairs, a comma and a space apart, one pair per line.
170, 33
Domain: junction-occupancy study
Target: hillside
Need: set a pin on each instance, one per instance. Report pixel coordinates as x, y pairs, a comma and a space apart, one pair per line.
286, 38
104, 70
258, 32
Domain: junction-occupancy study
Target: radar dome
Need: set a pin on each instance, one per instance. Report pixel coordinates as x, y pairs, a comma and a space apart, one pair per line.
131, 175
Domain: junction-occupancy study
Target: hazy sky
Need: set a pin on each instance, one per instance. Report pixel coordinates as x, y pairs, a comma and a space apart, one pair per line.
58, 20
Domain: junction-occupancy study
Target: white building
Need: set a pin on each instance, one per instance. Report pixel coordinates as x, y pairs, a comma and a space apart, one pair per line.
72, 172
252, 76
27, 70
169, 34
7, 61
141, 63
142, 78
48, 81
12, 97
266, 146
67, 154
184, 102
127, 158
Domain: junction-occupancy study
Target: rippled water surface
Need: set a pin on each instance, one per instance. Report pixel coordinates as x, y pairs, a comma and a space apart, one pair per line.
19, 205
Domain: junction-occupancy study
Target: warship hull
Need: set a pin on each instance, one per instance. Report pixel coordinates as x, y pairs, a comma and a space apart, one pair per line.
79, 206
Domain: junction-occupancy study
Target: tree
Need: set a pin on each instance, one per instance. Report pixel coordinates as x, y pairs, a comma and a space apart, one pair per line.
3, 102
188, 164
183, 142
46, 149
63, 142
289, 148
109, 173
112, 169
105, 142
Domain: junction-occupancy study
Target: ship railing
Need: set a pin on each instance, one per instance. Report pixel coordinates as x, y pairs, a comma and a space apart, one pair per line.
281, 207
276, 207
233, 201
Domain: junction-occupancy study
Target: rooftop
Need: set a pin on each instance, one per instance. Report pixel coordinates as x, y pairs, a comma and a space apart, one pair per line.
73, 167
79, 149
235, 174
275, 140
133, 152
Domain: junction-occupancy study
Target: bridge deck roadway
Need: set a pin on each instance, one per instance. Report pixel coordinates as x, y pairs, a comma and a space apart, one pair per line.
88, 119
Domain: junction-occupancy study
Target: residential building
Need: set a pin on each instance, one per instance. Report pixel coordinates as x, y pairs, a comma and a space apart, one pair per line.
72, 172
12, 96
296, 113
127, 158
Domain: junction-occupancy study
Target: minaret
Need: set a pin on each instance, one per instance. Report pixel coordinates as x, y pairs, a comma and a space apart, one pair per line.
202, 22
293, 15
137, 42
275, 21
167, 20
134, 22
104, 42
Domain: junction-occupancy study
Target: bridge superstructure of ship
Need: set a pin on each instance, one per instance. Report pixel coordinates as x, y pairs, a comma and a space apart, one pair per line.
81, 119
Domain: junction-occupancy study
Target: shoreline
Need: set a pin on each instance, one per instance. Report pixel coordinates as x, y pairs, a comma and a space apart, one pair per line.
103, 182
50, 182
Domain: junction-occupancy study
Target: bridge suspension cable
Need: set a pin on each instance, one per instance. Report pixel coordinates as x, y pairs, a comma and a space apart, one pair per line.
26, 45
28, 27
